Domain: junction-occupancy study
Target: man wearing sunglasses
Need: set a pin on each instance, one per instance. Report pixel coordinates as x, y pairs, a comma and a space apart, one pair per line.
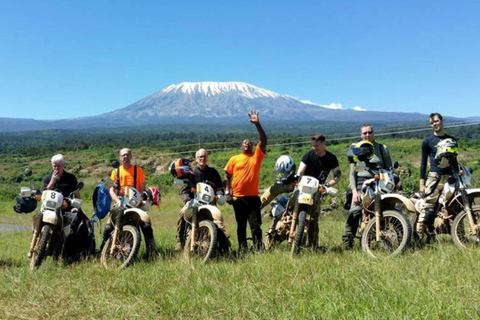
356, 182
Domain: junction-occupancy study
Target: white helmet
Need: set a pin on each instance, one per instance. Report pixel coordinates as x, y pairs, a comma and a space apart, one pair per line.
447, 150
284, 169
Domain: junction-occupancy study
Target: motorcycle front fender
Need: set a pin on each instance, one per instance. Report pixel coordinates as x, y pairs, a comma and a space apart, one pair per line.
142, 215
49, 216
212, 211
472, 193
391, 199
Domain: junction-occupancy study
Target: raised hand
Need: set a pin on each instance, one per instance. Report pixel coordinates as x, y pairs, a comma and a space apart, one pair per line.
253, 115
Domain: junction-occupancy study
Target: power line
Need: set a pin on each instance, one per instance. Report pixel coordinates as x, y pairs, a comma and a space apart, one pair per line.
305, 140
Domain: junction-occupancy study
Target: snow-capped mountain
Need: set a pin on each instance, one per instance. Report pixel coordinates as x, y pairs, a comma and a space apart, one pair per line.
211, 102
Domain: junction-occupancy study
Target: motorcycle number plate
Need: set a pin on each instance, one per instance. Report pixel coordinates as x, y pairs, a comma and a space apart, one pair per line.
305, 200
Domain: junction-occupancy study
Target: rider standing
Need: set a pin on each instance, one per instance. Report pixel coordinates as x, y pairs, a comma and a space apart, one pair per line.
431, 187
356, 182
318, 163
243, 178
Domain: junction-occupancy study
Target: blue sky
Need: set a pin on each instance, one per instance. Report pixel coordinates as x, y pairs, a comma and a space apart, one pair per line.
63, 59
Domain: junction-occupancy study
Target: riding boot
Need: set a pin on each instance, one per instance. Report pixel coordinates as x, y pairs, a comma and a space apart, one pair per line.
151, 249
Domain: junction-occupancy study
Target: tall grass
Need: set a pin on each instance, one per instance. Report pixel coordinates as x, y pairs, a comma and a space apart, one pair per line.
438, 282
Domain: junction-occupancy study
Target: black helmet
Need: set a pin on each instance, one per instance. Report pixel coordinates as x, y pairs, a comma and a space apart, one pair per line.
284, 169
25, 205
179, 168
361, 151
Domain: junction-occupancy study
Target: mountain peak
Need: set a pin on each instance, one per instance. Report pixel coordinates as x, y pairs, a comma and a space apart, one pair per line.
209, 88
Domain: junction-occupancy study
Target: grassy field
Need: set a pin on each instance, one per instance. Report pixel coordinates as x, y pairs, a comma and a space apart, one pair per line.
437, 282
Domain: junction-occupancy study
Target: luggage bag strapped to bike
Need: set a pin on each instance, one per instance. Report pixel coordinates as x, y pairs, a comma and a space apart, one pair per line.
101, 201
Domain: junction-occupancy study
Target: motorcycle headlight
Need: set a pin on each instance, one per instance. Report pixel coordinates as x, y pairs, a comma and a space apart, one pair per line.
206, 198
307, 189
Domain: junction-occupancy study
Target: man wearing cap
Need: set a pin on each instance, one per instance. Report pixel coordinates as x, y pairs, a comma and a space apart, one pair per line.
318, 163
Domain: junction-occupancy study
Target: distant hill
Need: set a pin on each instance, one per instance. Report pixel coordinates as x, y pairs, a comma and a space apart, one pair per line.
210, 102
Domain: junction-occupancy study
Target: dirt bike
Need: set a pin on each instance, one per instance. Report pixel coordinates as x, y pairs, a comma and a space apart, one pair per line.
205, 234
123, 244
384, 230
457, 211
292, 217
59, 233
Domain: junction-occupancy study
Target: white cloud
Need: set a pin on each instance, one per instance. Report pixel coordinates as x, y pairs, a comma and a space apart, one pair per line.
358, 108
309, 102
336, 106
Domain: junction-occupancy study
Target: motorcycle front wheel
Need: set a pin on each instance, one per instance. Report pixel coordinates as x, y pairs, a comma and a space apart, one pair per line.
269, 240
395, 235
205, 243
125, 250
299, 235
462, 234
40, 248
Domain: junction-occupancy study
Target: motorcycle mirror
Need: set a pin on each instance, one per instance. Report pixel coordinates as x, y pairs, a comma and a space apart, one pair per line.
115, 163
396, 165
80, 185
337, 173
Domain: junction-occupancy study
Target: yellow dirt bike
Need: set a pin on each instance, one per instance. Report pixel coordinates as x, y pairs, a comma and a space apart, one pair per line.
292, 217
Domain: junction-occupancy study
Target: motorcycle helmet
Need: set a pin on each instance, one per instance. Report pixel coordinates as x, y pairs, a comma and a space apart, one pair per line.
25, 204
154, 195
179, 168
361, 151
447, 150
284, 169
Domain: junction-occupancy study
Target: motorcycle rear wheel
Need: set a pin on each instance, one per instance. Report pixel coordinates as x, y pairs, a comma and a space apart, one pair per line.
396, 233
40, 249
125, 251
462, 234
206, 243
299, 235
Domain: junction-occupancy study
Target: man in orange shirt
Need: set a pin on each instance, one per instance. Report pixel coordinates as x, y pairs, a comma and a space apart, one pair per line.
243, 176
128, 175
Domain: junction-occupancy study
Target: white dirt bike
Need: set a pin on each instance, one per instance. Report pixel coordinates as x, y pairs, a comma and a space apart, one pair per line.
205, 234
385, 230
123, 245
291, 222
457, 211
54, 228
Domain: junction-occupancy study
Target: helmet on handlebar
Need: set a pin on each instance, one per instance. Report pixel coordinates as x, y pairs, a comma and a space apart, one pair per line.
179, 168
154, 195
284, 169
361, 151
447, 150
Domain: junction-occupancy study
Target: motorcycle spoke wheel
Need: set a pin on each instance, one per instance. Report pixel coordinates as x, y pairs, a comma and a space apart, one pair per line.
298, 242
40, 249
462, 234
125, 250
205, 244
395, 234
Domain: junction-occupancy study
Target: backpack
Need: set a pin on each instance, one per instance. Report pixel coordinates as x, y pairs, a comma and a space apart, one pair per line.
101, 201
